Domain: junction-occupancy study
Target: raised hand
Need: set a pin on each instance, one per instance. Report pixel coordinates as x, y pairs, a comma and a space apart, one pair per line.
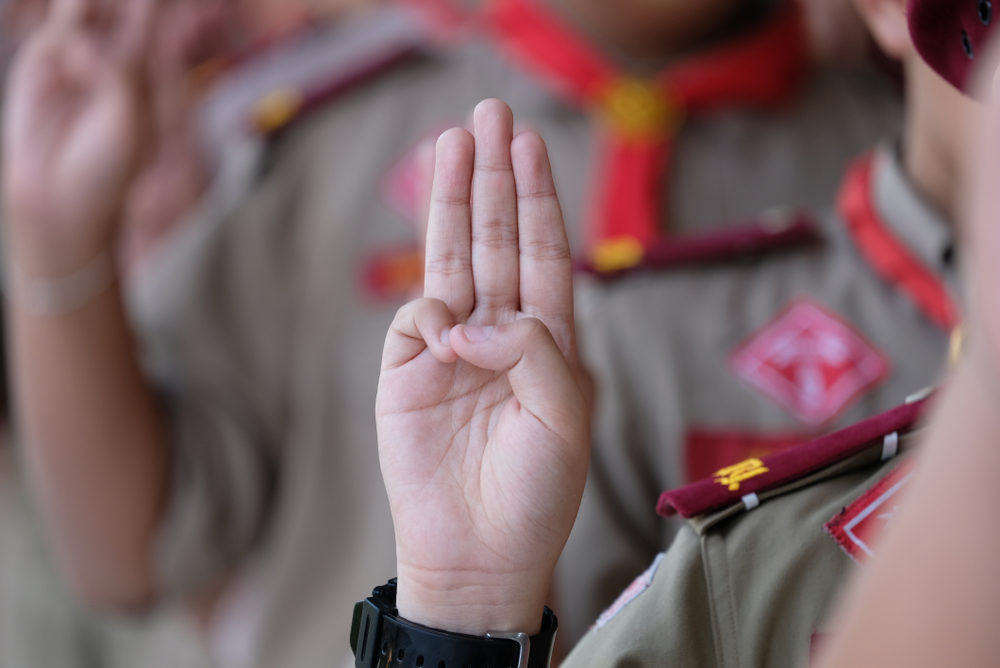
482, 424
73, 130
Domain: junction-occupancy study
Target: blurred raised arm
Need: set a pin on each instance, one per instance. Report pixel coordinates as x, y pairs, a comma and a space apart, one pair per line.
94, 441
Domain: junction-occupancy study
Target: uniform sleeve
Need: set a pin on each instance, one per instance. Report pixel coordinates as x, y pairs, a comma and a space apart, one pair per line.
214, 320
667, 622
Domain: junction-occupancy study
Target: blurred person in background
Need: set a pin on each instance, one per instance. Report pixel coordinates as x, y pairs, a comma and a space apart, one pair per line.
808, 320
919, 587
41, 621
241, 476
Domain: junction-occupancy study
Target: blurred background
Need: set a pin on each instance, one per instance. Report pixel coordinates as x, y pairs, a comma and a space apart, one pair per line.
282, 77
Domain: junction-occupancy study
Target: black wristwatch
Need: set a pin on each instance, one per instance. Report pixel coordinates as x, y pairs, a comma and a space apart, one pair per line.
381, 638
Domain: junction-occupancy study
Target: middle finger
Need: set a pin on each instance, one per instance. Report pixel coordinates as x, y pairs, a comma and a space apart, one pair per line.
494, 211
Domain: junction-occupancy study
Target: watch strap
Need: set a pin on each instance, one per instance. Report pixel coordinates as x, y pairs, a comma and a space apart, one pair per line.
381, 638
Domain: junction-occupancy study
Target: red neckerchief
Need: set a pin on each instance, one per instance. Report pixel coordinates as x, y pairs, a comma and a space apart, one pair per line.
640, 117
887, 254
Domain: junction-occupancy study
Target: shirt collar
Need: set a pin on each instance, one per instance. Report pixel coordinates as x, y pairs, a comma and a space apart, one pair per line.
909, 216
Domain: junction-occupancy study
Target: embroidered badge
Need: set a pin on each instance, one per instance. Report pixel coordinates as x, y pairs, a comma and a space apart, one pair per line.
810, 362
732, 476
707, 451
857, 527
639, 585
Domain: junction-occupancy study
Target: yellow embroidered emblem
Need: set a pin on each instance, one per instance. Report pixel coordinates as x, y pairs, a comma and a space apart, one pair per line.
732, 476
277, 109
616, 254
640, 109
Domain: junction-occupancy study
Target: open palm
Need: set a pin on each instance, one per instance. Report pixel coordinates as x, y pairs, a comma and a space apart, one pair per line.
483, 429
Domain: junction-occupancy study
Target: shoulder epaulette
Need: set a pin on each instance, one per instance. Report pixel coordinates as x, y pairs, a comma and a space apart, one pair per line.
616, 258
283, 83
744, 484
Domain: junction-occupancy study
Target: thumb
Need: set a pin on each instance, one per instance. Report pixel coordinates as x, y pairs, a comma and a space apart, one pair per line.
541, 378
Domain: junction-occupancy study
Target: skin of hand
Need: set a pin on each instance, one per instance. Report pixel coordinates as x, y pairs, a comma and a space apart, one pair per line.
73, 128
173, 174
482, 422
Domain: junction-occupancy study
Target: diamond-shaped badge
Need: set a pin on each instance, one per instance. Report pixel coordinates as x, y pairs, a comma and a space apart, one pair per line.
810, 362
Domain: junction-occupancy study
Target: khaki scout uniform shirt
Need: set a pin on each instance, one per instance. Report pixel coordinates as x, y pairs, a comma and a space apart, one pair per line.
753, 588
264, 322
700, 367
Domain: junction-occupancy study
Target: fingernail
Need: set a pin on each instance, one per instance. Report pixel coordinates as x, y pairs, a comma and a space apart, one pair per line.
446, 337
478, 334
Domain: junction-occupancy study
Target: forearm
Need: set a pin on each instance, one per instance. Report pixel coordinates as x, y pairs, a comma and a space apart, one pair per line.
94, 443
927, 583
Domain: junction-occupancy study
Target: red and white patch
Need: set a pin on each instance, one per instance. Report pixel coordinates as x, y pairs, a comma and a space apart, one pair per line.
639, 585
810, 362
858, 526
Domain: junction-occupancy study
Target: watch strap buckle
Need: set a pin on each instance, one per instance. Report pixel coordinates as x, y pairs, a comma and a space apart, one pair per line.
523, 642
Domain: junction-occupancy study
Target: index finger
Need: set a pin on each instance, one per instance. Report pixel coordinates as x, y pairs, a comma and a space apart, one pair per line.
546, 270
448, 254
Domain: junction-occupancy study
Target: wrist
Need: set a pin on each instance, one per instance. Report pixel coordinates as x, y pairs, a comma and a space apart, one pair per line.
472, 602
40, 252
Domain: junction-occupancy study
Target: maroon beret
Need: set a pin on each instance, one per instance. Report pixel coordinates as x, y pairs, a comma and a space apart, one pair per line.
950, 34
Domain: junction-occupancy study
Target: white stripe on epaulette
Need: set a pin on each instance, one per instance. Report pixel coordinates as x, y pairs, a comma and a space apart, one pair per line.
890, 446
750, 501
